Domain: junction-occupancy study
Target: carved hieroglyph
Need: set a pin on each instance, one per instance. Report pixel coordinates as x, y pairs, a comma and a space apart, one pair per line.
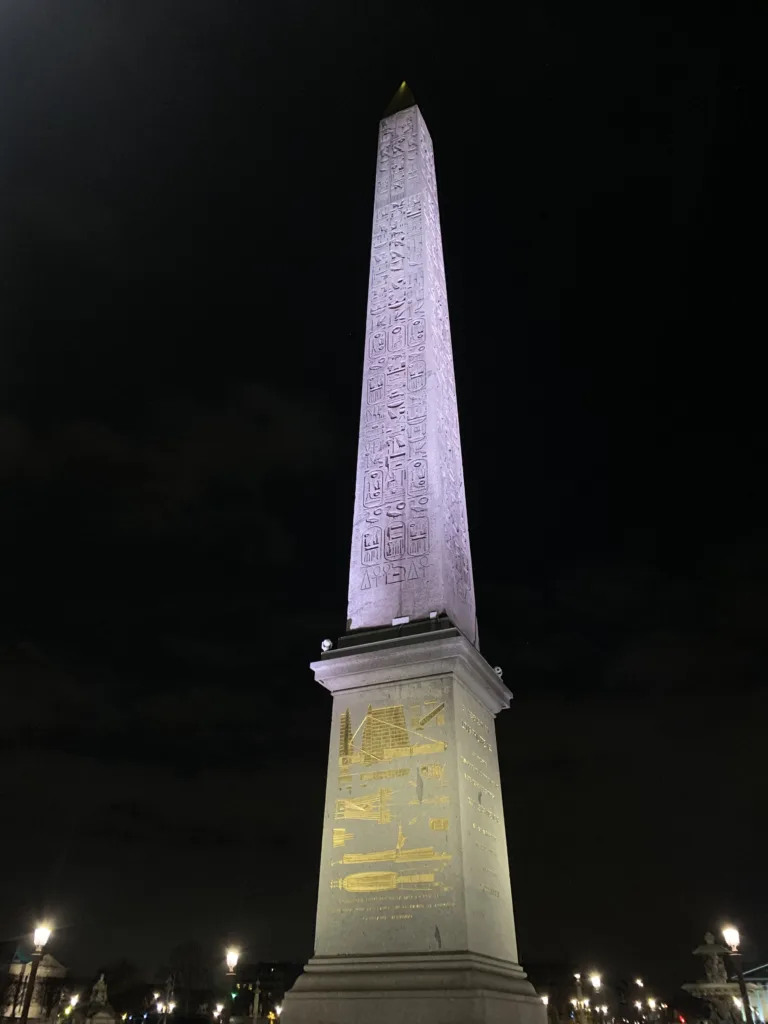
410, 542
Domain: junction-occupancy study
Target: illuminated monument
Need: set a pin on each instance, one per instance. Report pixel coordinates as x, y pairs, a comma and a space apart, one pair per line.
414, 916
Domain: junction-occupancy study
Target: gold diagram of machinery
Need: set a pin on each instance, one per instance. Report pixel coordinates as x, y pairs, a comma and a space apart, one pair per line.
400, 854
386, 881
383, 736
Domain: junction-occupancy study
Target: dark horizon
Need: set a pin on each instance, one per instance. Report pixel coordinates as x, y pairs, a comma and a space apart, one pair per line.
186, 208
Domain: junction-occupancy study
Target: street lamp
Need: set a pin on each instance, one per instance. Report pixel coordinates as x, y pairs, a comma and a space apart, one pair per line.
41, 936
545, 1000
733, 939
651, 1004
639, 982
580, 999
595, 980
233, 955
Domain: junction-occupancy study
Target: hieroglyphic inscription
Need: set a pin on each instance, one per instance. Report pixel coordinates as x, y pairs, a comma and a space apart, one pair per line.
411, 546
456, 557
394, 427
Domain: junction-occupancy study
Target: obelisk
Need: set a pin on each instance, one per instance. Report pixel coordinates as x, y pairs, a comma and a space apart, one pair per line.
414, 918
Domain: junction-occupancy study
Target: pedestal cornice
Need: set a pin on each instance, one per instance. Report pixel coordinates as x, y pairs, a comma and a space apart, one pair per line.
431, 654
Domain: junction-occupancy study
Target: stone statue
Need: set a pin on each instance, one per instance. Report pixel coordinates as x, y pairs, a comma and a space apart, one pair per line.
99, 992
714, 968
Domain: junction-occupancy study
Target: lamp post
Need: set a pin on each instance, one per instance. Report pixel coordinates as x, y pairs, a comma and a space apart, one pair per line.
732, 938
233, 955
41, 936
579, 999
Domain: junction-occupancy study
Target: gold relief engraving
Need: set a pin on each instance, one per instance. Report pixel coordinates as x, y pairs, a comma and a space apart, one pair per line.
382, 736
438, 824
433, 771
390, 773
432, 714
441, 801
340, 837
491, 892
385, 881
366, 808
345, 737
399, 853
413, 820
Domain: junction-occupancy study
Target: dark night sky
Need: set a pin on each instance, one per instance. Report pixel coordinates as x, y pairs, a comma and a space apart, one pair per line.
185, 203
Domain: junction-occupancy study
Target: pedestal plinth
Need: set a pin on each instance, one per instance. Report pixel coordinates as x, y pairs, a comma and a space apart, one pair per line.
414, 921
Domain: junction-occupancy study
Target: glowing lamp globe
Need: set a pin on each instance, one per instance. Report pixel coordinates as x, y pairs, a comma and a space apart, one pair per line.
42, 934
731, 936
232, 957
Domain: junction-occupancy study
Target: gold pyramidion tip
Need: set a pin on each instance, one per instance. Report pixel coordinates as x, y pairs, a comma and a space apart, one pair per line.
402, 99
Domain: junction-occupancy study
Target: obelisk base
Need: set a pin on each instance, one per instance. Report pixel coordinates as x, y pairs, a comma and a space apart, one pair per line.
433, 988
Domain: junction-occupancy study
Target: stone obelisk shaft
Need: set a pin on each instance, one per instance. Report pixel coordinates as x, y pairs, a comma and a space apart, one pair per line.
414, 914
410, 542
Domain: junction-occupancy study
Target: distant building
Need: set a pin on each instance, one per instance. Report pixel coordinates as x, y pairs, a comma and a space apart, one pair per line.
49, 984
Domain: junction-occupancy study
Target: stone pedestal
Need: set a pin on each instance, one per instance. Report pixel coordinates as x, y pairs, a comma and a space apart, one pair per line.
414, 922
